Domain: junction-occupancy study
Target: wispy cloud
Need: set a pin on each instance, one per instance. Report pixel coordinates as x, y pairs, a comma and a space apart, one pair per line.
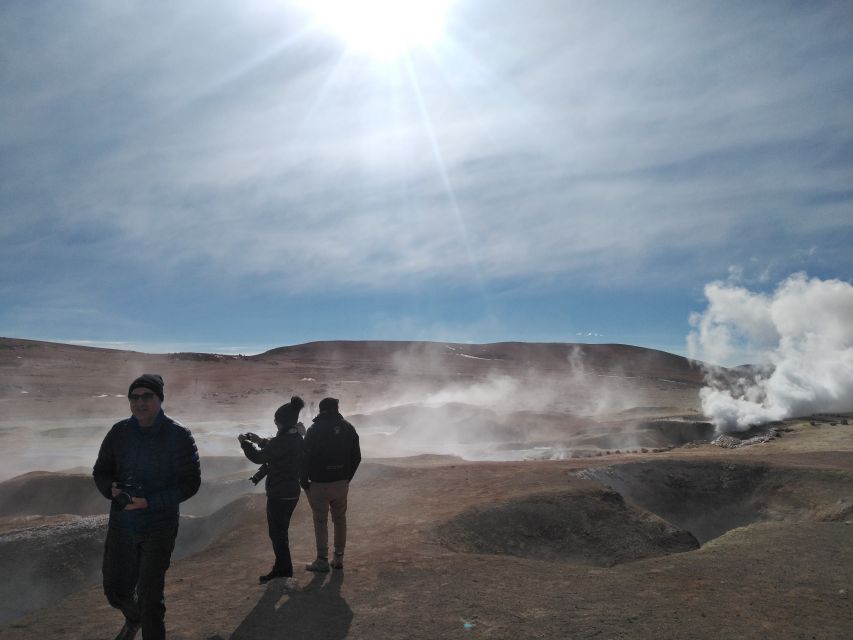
231, 145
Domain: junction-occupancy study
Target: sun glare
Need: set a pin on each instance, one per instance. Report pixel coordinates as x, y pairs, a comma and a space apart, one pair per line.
384, 28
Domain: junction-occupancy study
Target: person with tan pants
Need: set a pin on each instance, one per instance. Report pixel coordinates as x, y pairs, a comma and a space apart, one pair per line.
331, 455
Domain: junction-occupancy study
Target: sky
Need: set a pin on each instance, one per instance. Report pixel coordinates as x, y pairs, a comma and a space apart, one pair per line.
236, 176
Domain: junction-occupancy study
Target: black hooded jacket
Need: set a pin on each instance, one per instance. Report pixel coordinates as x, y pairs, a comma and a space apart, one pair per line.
332, 450
282, 455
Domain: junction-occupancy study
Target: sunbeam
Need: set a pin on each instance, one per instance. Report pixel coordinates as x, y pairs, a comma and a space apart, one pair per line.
445, 178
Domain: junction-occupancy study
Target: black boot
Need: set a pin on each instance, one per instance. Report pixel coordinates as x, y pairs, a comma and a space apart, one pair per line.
272, 575
128, 631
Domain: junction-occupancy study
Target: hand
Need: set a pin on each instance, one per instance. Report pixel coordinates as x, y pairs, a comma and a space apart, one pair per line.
115, 490
137, 503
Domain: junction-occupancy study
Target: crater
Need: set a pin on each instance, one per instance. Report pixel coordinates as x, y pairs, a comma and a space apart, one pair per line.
710, 498
595, 528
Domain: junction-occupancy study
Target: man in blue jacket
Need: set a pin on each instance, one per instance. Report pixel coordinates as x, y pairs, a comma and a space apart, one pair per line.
147, 465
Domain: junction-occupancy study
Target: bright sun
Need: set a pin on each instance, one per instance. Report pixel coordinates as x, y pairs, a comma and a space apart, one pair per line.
384, 28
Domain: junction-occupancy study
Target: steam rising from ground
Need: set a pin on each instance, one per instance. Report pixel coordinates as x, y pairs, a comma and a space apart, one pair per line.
802, 338
575, 388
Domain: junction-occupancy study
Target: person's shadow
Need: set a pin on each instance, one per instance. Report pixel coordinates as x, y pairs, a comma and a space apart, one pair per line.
315, 611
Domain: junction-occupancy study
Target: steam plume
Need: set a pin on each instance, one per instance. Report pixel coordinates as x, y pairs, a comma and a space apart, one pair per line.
801, 337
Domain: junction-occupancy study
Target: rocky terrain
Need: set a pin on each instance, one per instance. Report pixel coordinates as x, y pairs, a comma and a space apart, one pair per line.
500, 498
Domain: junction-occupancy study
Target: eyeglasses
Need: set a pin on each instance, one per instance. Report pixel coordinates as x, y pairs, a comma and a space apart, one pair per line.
135, 397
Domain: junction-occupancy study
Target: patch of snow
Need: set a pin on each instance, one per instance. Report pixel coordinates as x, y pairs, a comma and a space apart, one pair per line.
307, 380
465, 355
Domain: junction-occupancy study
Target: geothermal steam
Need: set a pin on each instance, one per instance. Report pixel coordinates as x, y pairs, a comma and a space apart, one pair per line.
801, 337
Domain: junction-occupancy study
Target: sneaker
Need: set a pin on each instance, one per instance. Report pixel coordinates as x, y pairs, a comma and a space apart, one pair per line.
320, 565
128, 631
337, 561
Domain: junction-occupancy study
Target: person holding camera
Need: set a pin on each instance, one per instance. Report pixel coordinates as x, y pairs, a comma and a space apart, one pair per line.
280, 457
147, 465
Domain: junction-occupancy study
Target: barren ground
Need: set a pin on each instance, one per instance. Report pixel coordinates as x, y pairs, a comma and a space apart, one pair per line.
693, 542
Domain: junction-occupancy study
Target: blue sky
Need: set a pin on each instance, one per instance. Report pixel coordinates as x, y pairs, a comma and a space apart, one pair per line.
235, 176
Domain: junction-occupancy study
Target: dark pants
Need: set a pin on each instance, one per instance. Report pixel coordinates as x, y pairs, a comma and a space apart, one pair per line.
279, 511
134, 569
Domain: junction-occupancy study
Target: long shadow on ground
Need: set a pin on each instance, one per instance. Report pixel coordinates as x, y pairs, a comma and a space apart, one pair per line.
316, 611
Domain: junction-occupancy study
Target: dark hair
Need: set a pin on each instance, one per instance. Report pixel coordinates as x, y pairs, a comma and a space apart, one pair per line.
329, 405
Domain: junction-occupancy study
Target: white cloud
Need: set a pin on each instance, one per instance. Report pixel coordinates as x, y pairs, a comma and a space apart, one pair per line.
609, 143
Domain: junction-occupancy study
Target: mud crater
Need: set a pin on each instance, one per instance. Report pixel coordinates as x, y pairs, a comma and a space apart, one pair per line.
596, 528
710, 498
648, 509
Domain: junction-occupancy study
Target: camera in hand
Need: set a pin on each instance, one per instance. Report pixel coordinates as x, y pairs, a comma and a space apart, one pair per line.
128, 489
260, 474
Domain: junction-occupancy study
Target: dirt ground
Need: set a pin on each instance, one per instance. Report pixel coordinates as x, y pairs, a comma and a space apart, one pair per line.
682, 541
786, 574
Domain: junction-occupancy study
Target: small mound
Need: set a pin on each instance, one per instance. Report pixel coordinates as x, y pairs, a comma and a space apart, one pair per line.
46, 493
51, 557
48, 561
226, 467
587, 528
197, 532
215, 494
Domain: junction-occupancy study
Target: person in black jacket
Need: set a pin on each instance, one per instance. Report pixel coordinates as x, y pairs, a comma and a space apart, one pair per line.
147, 465
332, 455
280, 457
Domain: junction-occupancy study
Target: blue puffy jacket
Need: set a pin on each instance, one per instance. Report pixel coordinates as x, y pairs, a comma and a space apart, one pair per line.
159, 463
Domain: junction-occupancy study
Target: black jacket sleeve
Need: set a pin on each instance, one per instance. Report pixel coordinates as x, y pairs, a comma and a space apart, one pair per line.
307, 447
104, 471
270, 450
355, 455
251, 452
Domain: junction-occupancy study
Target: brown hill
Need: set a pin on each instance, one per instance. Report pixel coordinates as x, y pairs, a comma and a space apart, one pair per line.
55, 381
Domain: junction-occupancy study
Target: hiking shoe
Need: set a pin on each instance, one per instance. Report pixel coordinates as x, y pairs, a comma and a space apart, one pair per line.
128, 631
320, 565
337, 561
272, 575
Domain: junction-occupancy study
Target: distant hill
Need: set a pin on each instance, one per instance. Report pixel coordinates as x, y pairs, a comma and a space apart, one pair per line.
596, 357
46, 379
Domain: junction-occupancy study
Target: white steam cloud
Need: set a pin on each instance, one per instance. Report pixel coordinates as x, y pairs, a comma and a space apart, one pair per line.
801, 337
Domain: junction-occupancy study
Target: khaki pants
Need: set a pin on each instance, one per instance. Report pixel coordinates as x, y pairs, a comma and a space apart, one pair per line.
324, 497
